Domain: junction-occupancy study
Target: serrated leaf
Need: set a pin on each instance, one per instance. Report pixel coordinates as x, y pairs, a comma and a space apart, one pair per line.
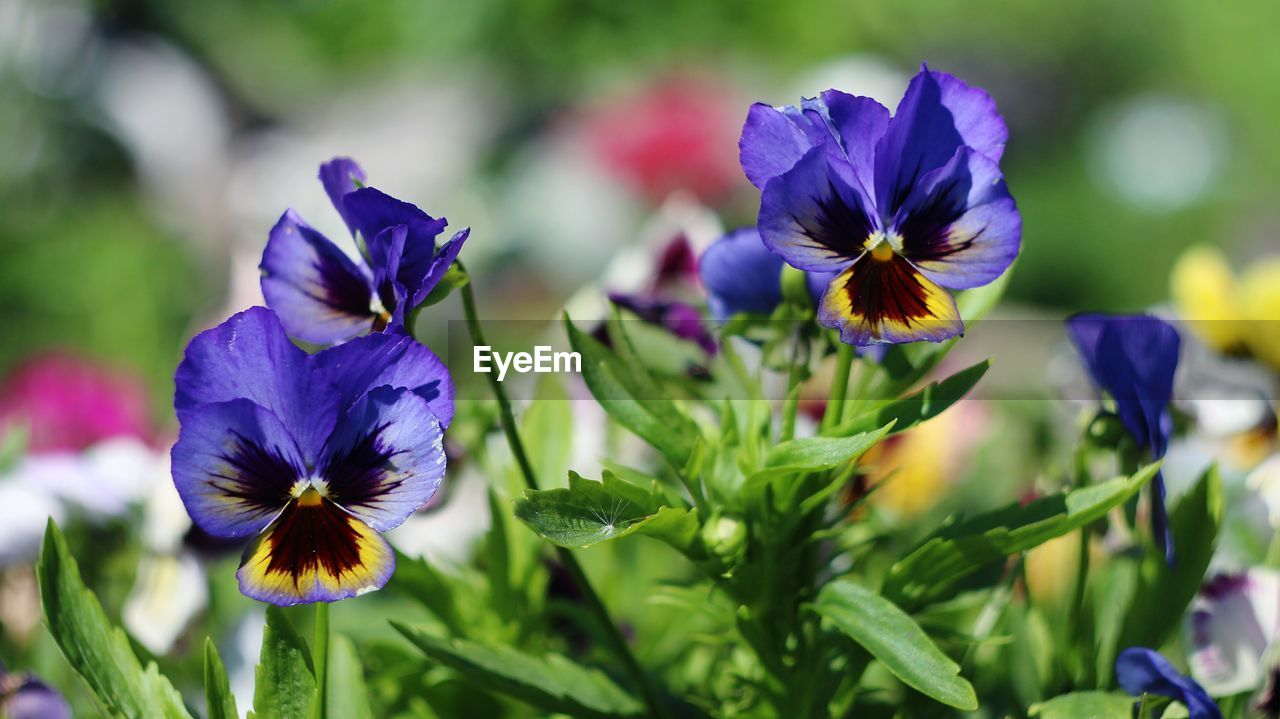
1164, 592
99, 651
220, 703
920, 406
813, 454
1085, 705
629, 396
550, 682
957, 550
286, 681
894, 638
589, 512
348, 695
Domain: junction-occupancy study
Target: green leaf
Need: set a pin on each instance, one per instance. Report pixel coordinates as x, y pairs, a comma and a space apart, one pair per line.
894, 638
418, 579
219, 701
630, 397
920, 406
589, 512
551, 682
957, 550
813, 454
1164, 592
100, 652
348, 695
286, 681
1085, 705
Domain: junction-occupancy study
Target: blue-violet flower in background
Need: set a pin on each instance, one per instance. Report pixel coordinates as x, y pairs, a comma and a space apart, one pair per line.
899, 207
22, 696
1144, 671
322, 295
1133, 358
741, 275
313, 455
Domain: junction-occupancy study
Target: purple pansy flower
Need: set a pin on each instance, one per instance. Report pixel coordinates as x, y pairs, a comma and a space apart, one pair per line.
25, 697
741, 275
1133, 359
325, 297
659, 303
313, 455
899, 207
1144, 671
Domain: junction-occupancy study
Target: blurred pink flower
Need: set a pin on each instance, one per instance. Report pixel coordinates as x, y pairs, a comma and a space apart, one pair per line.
69, 403
679, 133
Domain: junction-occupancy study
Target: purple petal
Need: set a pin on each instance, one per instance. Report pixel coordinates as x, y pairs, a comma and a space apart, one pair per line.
959, 225
1133, 358
386, 458
859, 122
34, 699
341, 176
1144, 671
320, 295
374, 211
938, 115
249, 356
815, 215
440, 264
234, 466
773, 140
741, 275
359, 366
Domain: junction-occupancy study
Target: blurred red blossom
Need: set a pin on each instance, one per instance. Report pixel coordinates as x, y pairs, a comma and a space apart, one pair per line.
677, 134
68, 403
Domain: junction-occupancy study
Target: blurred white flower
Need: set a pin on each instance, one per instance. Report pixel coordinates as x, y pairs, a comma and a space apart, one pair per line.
24, 511
1232, 622
1265, 480
1158, 153
447, 533
167, 593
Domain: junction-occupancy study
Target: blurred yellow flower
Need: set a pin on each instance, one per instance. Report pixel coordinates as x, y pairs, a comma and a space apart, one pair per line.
917, 466
1232, 315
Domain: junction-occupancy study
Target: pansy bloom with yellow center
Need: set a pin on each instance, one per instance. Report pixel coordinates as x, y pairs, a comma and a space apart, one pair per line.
322, 295
900, 207
311, 455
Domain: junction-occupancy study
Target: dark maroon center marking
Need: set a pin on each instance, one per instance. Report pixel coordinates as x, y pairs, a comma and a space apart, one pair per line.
888, 290
312, 533
259, 477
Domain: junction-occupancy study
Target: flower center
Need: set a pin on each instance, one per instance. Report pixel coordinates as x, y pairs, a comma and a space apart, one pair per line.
880, 246
309, 492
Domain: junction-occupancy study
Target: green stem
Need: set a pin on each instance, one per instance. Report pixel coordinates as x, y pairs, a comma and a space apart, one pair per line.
839, 386
617, 642
792, 406
1081, 479
320, 656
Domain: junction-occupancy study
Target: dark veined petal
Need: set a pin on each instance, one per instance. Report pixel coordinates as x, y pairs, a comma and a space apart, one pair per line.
959, 224
740, 274
773, 140
234, 466
440, 264
249, 356
1144, 671
320, 294
385, 458
938, 115
374, 211
315, 552
815, 215
355, 368
679, 318
341, 176
888, 301
858, 122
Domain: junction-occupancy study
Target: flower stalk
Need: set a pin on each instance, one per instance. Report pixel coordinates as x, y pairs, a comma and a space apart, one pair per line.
320, 656
613, 635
